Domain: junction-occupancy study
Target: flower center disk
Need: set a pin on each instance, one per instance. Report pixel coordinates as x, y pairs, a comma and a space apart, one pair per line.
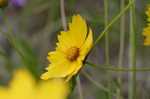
72, 53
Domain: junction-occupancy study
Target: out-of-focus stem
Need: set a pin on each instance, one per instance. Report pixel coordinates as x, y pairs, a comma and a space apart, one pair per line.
132, 53
99, 85
117, 69
106, 34
79, 88
111, 23
121, 49
107, 56
63, 16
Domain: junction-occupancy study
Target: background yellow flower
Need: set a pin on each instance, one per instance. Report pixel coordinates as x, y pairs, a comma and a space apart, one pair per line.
23, 86
148, 13
146, 31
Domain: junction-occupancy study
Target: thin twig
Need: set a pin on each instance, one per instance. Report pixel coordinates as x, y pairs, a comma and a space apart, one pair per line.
117, 69
79, 88
98, 85
107, 43
132, 53
112, 22
107, 58
63, 16
121, 49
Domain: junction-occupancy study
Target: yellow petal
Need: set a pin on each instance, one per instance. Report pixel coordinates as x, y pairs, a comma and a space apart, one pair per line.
146, 33
21, 85
58, 70
64, 41
78, 66
55, 56
75, 36
78, 29
4, 93
84, 50
55, 89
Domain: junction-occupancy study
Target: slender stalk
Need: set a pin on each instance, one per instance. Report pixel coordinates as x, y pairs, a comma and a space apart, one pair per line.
132, 54
63, 16
117, 69
107, 56
79, 88
99, 85
9, 33
112, 22
106, 34
121, 49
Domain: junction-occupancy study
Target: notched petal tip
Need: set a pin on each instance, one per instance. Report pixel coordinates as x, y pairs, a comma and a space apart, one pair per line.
44, 76
77, 17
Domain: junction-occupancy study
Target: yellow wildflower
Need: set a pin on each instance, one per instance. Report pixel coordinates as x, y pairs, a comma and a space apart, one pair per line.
148, 13
146, 31
72, 48
23, 86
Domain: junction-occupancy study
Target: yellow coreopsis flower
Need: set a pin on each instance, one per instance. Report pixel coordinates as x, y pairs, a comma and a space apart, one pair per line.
23, 86
146, 31
148, 13
72, 48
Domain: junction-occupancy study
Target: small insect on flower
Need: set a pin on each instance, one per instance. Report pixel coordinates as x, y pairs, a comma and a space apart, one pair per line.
72, 48
146, 31
24, 86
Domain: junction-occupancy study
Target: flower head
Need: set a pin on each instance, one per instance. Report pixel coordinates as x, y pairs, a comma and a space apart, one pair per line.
72, 48
146, 31
23, 86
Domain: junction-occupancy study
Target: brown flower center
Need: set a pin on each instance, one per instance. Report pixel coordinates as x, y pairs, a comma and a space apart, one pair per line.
72, 53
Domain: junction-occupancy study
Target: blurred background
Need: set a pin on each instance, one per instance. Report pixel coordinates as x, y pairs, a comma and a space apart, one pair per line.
29, 29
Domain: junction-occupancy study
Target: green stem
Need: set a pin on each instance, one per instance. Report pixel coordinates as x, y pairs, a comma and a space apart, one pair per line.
122, 36
106, 34
10, 33
79, 88
98, 85
107, 56
121, 49
117, 69
132, 53
63, 16
112, 22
